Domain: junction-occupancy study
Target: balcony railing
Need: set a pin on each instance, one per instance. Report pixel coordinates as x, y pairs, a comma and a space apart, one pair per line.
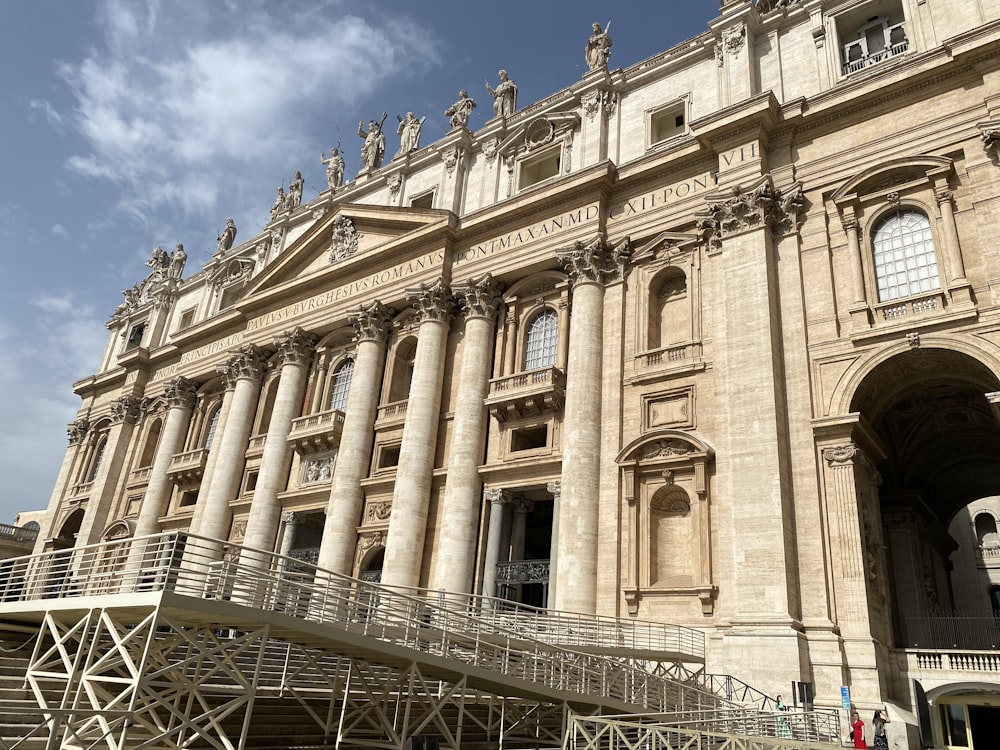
317, 433
17, 533
391, 413
952, 630
527, 394
892, 311
523, 571
188, 467
853, 66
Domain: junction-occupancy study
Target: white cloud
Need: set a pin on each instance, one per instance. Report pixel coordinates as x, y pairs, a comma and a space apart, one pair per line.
47, 111
60, 231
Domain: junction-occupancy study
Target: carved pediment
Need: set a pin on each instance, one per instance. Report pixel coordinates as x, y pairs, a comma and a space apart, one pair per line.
664, 246
892, 173
538, 132
665, 446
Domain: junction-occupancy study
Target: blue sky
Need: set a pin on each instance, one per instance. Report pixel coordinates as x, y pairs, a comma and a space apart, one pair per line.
128, 124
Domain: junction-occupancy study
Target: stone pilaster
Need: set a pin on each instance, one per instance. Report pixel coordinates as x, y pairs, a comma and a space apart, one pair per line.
242, 373
958, 284
180, 394
294, 356
404, 547
589, 267
555, 489
126, 411
343, 513
454, 563
76, 432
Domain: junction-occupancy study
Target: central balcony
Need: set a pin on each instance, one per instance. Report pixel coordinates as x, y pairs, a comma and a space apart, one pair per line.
188, 467
317, 433
527, 394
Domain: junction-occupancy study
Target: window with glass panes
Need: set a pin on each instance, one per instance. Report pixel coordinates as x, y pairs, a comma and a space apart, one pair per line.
210, 435
905, 261
340, 384
540, 345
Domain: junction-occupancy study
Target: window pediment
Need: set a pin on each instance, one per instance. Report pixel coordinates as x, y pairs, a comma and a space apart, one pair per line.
890, 174
665, 446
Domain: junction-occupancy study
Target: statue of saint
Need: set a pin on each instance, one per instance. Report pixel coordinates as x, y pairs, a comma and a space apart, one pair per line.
459, 111
409, 133
599, 47
177, 259
159, 262
228, 236
334, 168
279, 203
373, 150
294, 197
504, 96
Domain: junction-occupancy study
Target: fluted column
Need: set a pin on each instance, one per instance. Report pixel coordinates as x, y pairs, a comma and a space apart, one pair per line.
555, 489
343, 513
294, 355
956, 267
497, 499
455, 560
589, 267
125, 414
404, 547
243, 374
180, 394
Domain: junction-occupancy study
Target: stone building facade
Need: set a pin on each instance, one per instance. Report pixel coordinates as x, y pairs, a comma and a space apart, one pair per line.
712, 340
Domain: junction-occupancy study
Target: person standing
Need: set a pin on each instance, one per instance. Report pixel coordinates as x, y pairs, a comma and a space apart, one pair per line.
879, 739
784, 730
858, 731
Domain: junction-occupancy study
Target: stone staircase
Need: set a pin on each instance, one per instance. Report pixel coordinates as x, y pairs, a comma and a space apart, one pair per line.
19, 712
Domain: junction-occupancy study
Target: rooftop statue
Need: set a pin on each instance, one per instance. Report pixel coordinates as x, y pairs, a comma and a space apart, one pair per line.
334, 168
459, 111
373, 150
294, 192
599, 48
409, 133
228, 236
279, 203
504, 96
177, 260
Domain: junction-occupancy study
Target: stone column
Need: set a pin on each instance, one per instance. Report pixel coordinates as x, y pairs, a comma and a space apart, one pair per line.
510, 343
562, 349
294, 354
555, 489
455, 560
404, 547
180, 396
518, 528
290, 521
588, 266
343, 513
850, 224
494, 540
316, 403
125, 414
243, 374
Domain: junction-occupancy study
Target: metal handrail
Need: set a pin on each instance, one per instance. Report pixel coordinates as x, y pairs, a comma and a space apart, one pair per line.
210, 569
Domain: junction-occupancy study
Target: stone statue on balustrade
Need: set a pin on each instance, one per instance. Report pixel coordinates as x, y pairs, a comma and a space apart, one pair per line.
334, 168
409, 133
504, 96
227, 237
598, 48
279, 203
373, 150
177, 259
460, 111
294, 197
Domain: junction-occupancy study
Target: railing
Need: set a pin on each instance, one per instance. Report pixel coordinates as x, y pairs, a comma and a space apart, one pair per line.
897, 310
527, 393
874, 58
728, 728
392, 412
523, 571
317, 432
951, 630
206, 568
190, 464
669, 355
17, 533
956, 661
546, 376
735, 690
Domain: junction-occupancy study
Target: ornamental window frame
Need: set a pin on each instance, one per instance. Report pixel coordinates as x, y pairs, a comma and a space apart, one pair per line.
338, 390
912, 256
659, 129
546, 352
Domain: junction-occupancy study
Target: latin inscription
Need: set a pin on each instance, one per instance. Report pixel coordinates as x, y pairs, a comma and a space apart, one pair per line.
222, 345
535, 232
661, 197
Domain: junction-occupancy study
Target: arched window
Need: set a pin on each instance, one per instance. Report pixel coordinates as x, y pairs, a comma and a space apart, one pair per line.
149, 449
905, 261
986, 531
212, 424
669, 313
98, 455
340, 384
402, 370
540, 344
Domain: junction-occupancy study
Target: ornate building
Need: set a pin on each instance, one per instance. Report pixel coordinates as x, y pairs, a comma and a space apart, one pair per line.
711, 340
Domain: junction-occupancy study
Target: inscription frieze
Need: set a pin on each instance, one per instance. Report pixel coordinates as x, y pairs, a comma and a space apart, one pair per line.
521, 236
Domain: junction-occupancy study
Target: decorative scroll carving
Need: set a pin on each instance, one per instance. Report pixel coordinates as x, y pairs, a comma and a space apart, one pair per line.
490, 149
77, 431
668, 447
840, 455
378, 512
181, 393
606, 101
126, 409
432, 301
295, 347
538, 133
246, 362
371, 323
741, 210
989, 134
497, 496
480, 298
599, 261
452, 158
371, 540
523, 571
344, 239
767, 6
733, 38
554, 489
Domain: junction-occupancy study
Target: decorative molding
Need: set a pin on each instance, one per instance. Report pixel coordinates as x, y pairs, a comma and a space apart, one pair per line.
394, 182
372, 323
497, 496
76, 431
989, 134
597, 262
344, 239
127, 409
480, 299
741, 210
765, 7
247, 362
490, 150
601, 101
432, 302
840, 455
378, 512
181, 393
295, 347
733, 38
317, 471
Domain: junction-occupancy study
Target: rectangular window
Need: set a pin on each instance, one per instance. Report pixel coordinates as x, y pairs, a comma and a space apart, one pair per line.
668, 122
189, 499
529, 438
538, 168
425, 200
187, 319
388, 456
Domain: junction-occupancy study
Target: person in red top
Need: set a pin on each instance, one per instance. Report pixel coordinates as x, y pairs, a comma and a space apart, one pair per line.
858, 731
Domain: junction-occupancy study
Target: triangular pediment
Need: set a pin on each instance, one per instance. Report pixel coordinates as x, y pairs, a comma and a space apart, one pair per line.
663, 246
346, 236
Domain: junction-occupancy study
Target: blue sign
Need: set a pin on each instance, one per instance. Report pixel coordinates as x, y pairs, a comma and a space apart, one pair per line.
845, 697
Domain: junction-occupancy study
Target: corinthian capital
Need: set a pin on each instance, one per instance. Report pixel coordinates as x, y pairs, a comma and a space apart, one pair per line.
247, 363
126, 409
432, 301
740, 209
180, 392
295, 347
597, 261
77, 431
371, 323
480, 298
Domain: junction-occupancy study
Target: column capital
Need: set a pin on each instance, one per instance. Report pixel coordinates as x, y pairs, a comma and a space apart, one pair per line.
522, 505
289, 517
126, 409
180, 392
943, 195
739, 209
480, 298
849, 222
433, 302
245, 363
295, 347
77, 430
596, 262
497, 496
371, 323
555, 489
